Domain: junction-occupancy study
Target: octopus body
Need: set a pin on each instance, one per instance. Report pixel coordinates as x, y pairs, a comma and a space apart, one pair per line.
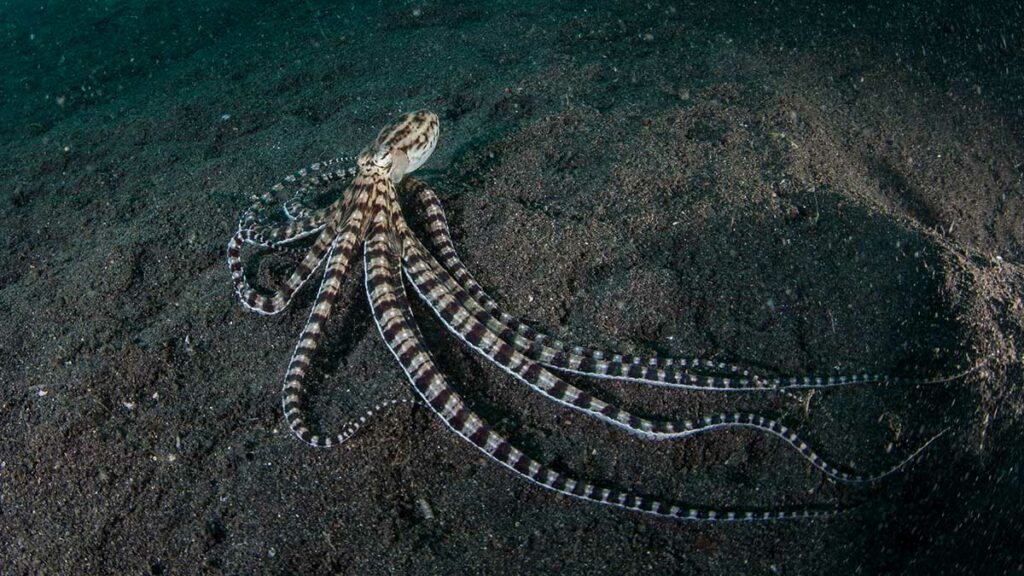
368, 217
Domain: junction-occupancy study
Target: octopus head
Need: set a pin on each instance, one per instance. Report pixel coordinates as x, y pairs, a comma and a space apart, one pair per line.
403, 146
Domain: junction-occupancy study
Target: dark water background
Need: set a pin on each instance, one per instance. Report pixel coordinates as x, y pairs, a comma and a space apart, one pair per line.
802, 188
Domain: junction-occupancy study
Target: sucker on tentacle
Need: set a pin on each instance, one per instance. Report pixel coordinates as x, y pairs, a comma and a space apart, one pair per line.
368, 213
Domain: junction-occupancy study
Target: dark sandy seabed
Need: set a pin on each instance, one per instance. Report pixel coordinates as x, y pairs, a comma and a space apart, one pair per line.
801, 190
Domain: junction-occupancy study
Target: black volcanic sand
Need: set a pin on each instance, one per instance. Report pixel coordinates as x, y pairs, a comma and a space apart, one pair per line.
800, 192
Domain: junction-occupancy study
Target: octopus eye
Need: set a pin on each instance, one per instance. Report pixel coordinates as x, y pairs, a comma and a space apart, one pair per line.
383, 158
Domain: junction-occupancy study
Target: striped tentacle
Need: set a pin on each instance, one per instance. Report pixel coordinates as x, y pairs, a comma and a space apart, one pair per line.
674, 372
339, 257
279, 299
276, 235
465, 319
265, 235
318, 175
302, 220
289, 250
654, 371
835, 381
397, 327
